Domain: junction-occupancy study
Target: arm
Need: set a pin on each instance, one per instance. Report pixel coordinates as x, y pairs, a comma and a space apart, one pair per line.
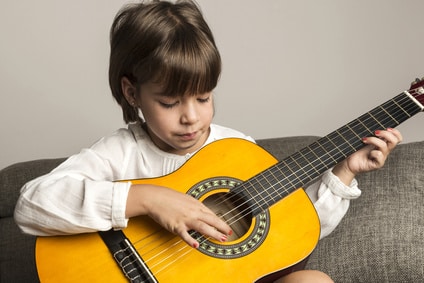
73, 198
79, 195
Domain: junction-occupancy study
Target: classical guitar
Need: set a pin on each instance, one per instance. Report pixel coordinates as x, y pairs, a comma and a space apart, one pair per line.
275, 225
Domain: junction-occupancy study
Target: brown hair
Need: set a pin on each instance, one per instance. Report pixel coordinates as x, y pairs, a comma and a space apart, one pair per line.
166, 43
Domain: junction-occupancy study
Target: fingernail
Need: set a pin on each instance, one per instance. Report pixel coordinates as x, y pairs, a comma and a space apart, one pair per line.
364, 139
390, 129
230, 233
195, 245
223, 238
377, 132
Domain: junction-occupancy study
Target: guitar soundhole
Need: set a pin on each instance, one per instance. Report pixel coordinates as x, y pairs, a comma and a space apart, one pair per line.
233, 210
248, 231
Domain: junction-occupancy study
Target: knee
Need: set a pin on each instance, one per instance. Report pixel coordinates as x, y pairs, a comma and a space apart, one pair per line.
306, 276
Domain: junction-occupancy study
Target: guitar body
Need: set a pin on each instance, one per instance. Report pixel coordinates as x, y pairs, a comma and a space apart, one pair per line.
272, 241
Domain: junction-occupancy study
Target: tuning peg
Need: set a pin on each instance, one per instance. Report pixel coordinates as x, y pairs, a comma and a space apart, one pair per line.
417, 80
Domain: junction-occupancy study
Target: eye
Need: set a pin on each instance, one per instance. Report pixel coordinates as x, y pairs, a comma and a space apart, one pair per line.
204, 99
168, 104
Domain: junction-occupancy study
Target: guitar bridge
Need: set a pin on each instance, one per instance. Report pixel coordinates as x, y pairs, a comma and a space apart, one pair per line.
127, 258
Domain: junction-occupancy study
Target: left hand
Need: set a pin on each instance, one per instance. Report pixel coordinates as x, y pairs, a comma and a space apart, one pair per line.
371, 157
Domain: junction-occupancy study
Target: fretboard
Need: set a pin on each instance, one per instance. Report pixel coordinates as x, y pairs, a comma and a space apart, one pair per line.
297, 170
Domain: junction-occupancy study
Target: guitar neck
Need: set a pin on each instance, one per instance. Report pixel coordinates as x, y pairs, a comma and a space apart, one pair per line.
307, 164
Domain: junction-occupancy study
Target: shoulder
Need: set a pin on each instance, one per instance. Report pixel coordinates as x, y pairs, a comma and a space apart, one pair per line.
120, 140
220, 132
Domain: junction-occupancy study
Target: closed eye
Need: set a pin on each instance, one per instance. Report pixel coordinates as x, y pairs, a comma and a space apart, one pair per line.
204, 100
168, 105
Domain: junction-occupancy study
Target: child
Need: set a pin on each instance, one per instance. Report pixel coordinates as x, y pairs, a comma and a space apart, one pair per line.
164, 65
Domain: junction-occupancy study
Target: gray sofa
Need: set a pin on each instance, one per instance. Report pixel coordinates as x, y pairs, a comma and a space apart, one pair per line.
381, 239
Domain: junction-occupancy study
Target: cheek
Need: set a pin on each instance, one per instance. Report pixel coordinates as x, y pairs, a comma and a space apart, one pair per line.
156, 118
211, 111
207, 110
150, 114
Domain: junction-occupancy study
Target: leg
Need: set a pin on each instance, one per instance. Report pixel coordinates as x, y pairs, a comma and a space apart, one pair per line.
306, 276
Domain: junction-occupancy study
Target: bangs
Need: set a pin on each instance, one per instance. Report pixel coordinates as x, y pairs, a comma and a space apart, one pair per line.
187, 66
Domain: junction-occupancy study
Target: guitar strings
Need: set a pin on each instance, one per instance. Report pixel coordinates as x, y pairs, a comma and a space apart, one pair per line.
185, 249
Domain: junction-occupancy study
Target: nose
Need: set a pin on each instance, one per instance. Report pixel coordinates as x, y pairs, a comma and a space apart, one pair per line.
189, 113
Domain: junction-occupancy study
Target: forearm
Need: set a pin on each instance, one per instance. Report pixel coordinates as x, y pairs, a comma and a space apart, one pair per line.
70, 206
140, 196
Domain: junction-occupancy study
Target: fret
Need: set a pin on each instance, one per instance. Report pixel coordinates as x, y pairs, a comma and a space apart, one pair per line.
350, 130
304, 166
258, 189
309, 166
275, 188
369, 121
357, 124
252, 193
345, 138
282, 176
272, 194
342, 146
376, 120
292, 170
318, 154
400, 107
389, 115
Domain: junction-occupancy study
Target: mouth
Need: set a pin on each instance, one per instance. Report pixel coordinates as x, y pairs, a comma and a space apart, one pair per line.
188, 136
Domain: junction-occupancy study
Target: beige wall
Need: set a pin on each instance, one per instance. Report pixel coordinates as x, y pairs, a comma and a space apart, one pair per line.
290, 68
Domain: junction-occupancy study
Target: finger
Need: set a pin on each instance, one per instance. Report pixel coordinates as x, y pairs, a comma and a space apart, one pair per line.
217, 223
185, 235
376, 143
378, 158
391, 137
202, 228
210, 232
397, 134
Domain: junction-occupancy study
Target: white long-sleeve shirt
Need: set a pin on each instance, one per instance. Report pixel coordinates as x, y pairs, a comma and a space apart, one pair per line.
80, 195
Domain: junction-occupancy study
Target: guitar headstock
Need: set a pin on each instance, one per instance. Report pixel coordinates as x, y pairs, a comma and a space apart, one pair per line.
417, 90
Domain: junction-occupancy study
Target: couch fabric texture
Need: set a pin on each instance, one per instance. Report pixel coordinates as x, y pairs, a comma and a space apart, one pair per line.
381, 239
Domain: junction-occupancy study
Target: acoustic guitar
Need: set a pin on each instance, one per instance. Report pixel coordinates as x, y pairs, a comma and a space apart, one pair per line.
275, 225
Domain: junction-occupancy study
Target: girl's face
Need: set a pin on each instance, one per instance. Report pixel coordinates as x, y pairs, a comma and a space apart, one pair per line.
179, 124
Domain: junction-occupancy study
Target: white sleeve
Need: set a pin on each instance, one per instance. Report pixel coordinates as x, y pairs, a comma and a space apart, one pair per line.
331, 198
78, 196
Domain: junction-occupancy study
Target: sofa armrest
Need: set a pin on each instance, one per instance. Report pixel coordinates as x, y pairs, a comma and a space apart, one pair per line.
17, 258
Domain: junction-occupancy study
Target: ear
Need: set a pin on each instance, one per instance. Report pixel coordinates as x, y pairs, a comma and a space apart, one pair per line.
129, 91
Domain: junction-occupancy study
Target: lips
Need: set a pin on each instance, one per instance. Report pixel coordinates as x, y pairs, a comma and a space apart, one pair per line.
188, 136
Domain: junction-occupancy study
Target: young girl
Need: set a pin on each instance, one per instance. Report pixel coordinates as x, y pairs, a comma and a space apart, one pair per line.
164, 65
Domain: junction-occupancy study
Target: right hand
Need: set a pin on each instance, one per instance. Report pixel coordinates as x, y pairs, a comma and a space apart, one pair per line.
176, 212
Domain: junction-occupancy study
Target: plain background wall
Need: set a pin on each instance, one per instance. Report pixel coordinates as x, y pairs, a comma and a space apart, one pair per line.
299, 67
